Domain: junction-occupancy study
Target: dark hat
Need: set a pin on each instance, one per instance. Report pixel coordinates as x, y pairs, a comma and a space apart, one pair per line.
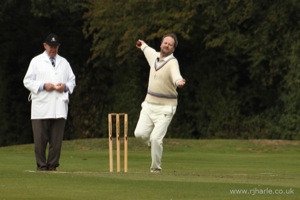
52, 40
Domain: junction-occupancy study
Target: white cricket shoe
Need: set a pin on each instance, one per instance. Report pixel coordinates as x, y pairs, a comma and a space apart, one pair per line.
155, 171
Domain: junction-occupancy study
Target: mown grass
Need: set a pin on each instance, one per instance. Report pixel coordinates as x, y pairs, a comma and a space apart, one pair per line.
192, 169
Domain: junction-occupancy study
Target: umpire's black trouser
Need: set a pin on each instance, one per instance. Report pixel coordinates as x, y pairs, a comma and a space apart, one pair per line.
48, 131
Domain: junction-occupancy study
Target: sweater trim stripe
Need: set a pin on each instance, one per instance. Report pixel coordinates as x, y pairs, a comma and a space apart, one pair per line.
166, 96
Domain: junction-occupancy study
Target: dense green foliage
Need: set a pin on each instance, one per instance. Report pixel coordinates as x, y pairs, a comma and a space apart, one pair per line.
235, 55
240, 59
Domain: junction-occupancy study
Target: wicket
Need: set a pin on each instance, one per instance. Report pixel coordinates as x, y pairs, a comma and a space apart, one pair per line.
118, 144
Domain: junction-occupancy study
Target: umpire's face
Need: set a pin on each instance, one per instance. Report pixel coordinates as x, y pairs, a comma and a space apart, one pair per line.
51, 50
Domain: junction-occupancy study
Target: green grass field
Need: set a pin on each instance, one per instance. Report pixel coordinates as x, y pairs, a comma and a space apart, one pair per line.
192, 169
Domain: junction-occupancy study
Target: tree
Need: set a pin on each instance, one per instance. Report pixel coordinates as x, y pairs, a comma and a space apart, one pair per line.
240, 59
234, 53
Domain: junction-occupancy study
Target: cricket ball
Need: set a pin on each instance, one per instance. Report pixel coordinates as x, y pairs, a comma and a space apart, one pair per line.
138, 43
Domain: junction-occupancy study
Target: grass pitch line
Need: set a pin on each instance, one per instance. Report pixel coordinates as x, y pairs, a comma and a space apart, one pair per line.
262, 174
80, 172
99, 173
60, 172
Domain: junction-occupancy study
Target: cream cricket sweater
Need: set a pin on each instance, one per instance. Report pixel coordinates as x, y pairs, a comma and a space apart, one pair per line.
162, 78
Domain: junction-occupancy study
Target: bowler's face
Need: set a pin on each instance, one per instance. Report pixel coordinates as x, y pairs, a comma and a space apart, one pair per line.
51, 50
167, 46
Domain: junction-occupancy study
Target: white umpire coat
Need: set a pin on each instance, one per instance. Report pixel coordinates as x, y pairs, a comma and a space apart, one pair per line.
49, 105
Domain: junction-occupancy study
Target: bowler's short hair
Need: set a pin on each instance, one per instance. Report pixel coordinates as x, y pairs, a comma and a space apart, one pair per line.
172, 35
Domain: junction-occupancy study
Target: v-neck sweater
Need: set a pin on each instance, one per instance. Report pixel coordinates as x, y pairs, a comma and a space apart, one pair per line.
162, 77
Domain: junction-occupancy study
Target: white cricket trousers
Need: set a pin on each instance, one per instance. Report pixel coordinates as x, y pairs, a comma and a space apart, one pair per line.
152, 126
